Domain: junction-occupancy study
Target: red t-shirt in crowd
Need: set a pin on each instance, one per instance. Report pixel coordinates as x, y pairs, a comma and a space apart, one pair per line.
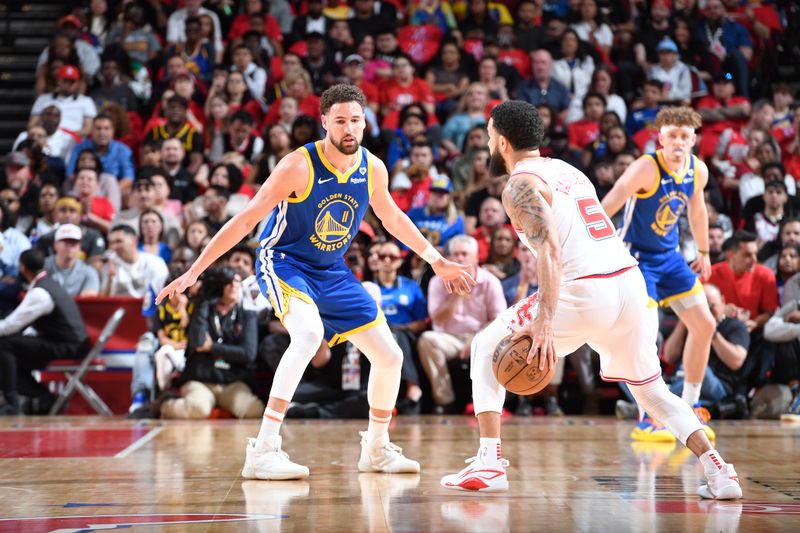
241, 25
395, 96
755, 291
416, 196
371, 91
102, 208
308, 106
582, 133
517, 58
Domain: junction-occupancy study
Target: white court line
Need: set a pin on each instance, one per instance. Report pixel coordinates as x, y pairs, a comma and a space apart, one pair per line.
139, 443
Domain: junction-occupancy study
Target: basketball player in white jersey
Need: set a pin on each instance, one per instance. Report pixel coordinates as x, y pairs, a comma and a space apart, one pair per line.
590, 291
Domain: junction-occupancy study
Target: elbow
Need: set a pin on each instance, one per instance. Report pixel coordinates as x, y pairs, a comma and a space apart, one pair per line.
740, 356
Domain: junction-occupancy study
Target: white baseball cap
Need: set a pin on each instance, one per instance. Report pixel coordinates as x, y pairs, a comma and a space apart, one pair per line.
68, 232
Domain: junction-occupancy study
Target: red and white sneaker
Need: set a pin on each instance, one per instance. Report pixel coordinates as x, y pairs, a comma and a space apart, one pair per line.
722, 485
479, 477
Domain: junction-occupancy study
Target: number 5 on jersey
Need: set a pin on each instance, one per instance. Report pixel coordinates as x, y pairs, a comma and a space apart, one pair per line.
595, 218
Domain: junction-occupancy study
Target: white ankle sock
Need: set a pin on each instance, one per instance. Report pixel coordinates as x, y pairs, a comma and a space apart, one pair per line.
711, 461
377, 426
270, 426
691, 393
489, 453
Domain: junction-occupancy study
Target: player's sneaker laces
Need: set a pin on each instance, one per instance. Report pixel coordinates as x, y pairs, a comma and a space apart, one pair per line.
704, 416
270, 462
650, 430
721, 485
478, 476
383, 456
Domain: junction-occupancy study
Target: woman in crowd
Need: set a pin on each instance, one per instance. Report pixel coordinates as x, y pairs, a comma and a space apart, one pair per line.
151, 235
502, 262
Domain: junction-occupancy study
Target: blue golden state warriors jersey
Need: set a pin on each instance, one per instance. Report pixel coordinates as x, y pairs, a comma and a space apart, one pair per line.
317, 227
651, 218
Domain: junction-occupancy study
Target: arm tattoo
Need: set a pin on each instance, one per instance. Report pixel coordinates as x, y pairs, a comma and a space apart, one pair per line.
528, 210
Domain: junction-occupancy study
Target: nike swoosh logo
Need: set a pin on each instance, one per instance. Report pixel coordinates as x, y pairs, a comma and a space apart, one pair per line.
321, 181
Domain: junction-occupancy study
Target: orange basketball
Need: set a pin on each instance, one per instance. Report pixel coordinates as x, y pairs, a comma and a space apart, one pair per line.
512, 370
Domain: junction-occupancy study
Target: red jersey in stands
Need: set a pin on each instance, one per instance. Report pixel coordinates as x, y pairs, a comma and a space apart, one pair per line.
308, 106
517, 58
755, 291
394, 97
582, 133
241, 25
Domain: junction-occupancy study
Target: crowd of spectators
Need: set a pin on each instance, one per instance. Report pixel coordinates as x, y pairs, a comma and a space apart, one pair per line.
156, 121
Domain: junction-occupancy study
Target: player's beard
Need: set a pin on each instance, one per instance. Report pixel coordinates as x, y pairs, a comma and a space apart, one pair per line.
346, 150
497, 165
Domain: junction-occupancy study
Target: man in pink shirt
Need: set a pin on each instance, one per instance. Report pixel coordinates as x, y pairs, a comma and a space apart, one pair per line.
456, 319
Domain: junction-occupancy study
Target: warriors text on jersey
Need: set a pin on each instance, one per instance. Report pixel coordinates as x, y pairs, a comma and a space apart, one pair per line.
589, 242
651, 217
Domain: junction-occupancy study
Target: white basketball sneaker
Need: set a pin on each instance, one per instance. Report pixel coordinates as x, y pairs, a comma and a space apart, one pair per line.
479, 477
383, 456
270, 462
722, 485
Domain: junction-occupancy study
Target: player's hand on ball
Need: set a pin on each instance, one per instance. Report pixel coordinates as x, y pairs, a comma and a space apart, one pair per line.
179, 285
456, 277
541, 333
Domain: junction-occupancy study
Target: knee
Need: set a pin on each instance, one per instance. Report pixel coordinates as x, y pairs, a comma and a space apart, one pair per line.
392, 357
425, 344
309, 339
704, 325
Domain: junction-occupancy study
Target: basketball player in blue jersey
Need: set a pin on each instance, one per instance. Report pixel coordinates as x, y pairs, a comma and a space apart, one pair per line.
315, 200
657, 188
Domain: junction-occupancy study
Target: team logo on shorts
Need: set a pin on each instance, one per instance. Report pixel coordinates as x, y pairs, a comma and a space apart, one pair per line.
668, 213
334, 223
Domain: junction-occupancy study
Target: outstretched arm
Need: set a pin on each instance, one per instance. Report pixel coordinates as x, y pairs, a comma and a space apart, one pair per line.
454, 275
526, 202
640, 176
290, 176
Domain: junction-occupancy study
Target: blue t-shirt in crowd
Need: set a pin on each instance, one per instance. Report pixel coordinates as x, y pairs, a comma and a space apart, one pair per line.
404, 302
435, 228
641, 118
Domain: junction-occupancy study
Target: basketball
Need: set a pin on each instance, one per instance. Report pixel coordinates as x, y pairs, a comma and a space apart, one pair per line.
510, 367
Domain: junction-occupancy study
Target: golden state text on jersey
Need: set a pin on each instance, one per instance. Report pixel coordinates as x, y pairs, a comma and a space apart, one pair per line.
317, 226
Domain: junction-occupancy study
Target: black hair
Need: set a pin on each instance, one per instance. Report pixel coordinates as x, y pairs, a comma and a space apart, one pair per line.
413, 109
774, 164
595, 94
192, 20
214, 281
520, 123
150, 171
776, 184
340, 94
221, 191
8, 218
242, 248
33, 260
124, 228
242, 116
739, 236
235, 178
176, 98
98, 162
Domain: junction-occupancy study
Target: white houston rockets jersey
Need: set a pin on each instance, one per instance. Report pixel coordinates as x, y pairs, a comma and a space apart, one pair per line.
589, 242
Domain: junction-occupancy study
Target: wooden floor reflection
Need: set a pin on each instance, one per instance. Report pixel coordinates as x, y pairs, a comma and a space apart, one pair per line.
573, 474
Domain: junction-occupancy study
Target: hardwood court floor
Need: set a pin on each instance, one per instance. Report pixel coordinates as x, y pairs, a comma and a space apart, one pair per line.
574, 474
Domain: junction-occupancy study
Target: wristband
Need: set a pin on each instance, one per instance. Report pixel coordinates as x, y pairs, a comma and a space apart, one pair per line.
430, 254
702, 252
